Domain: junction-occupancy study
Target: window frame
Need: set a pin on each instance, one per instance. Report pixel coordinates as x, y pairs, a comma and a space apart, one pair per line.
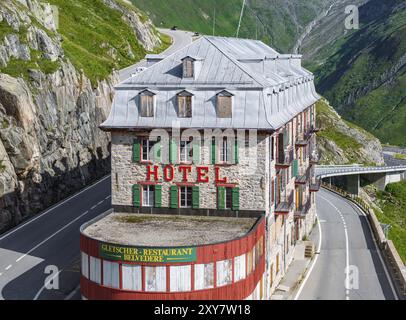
220, 98
185, 151
186, 193
188, 68
225, 152
150, 189
150, 107
149, 145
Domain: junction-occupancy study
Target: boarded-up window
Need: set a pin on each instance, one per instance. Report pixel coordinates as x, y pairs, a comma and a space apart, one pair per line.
111, 274
185, 106
204, 276
239, 268
85, 265
180, 278
132, 277
155, 279
95, 270
224, 272
224, 105
188, 71
147, 104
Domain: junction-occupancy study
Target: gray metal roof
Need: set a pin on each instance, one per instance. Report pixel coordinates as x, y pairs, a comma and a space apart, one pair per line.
269, 89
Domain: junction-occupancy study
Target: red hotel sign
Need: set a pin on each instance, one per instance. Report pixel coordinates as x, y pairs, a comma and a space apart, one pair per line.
168, 173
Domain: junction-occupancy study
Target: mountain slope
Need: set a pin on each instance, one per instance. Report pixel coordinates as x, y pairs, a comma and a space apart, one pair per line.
341, 142
56, 87
363, 72
276, 22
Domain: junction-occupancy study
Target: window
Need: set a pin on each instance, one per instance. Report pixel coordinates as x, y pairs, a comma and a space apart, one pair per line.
224, 272
186, 151
186, 197
188, 64
229, 198
226, 151
224, 104
185, 106
204, 276
180, 278
239, 268
111, 274
85, 265
147, 148
147, 104
132, 279
155, 279
95, 270
148, 198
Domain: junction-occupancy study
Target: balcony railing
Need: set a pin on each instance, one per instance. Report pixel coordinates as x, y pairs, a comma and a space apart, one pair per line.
302, 210
303, 139
284, 159
315, 185
283, 205
303, 175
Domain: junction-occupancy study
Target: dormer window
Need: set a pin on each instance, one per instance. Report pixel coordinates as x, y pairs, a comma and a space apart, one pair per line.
188, 67
224, 104
147, 103
185, 104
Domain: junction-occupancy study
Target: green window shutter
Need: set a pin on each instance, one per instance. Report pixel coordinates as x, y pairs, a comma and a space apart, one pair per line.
196, 153
174, 197
173, 152
221, 195
158, 152
295, 168
196, 198
213, 152
235, 193
236, 151
136, 150
137, 195
158, 196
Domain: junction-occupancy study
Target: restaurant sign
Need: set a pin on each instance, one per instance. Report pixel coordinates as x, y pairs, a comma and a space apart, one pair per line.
147, 254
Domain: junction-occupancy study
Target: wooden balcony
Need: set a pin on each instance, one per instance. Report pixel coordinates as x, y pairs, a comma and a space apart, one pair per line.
315, 185
284, 159
302, 210
284, 205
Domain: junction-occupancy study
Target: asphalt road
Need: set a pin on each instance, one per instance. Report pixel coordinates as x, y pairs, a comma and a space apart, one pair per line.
51, 239
346, 240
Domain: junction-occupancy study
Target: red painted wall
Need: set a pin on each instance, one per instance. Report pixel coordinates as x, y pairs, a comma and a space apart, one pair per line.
205, 254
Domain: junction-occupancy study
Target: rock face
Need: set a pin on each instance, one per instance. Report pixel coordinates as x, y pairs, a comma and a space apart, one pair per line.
341, 142
50, 144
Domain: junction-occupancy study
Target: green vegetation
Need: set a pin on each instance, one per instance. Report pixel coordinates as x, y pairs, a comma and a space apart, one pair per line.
275, 22
20, 68
96, 39
400, 156
362, 76
392, 201
328, 121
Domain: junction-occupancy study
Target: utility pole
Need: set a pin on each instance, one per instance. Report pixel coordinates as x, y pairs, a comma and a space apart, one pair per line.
239, 22
214, 19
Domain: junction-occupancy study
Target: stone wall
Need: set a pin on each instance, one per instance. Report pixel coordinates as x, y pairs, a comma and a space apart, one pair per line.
126, 173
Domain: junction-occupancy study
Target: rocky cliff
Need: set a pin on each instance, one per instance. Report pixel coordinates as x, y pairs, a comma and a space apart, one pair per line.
341, 142
52, 101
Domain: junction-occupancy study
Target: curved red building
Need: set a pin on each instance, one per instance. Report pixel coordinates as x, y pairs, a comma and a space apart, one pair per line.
231, 269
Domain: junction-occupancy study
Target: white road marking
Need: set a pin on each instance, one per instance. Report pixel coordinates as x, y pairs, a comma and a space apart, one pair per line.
52, 208
68, 297
1, 274
313, 263
100, 202
94, 207
379, 253
347, 249
51, 236
8, 267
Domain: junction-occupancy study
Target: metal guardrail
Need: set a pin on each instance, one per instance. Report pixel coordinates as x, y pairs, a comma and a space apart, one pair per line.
354, 170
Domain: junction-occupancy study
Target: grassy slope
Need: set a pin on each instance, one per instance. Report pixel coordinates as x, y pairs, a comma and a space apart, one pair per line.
327, 119
393, 204
85, 26
356, 64
274, 21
